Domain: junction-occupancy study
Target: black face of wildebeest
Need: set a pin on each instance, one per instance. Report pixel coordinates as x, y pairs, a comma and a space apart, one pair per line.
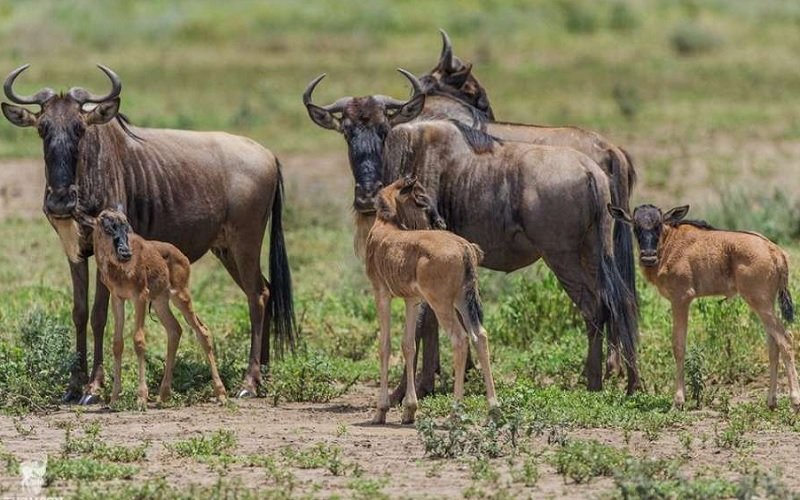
61, 123
364, 122
648, 224
115, 225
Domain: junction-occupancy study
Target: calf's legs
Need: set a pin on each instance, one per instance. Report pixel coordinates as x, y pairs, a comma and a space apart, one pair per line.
383, 301
680, 319
772, 396
173, 329
782, 340
410, 354
139, 346
118, 309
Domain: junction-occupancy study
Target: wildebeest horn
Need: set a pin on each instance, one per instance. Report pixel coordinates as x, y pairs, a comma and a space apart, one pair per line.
336, 107
446, 59
83, 96
38, 98
415, 84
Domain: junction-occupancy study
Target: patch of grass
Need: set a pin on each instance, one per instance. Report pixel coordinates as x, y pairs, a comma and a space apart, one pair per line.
320, 456
580, 461
773, 214
368, 489
690, 38
86, 469
215, 444
92, 445
11, 462
311, 376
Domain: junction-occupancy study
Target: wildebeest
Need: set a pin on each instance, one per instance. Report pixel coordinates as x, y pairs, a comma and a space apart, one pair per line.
518, 202
453, 92
145, 272
688, 259
196, 190
404, 258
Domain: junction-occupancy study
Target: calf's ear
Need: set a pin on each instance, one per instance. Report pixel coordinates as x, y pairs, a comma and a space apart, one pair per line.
323, 118
619, 214
408, 111
676, 214
18, 115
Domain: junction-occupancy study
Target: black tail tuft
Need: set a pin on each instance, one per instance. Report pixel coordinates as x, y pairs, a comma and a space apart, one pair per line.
471, 295
623, 233
786, 305
281, 304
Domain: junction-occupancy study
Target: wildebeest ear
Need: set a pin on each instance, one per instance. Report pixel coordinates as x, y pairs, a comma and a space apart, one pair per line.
408, 111
619, 214
103, 112
18, 115
409, 182
676, 214
323, 117
383, 211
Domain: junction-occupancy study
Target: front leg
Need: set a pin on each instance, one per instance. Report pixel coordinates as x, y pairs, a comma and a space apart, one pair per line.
410, 354
680, 320
118, 308
139, 346
79, 272
99, 318
383, 302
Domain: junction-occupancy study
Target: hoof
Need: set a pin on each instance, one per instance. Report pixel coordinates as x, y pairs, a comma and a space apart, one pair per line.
89, 399
72, 395
408, 416
246, 394
379, 418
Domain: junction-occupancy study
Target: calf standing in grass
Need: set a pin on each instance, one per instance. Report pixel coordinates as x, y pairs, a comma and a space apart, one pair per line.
406, 259
688, 259
147, 271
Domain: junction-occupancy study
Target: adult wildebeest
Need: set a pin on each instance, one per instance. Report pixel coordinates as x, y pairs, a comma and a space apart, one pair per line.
196, 190
688, 259
519, 202
453, 92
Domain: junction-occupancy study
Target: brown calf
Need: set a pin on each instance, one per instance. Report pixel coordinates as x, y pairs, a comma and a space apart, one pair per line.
405, 260
147, 271
689, 259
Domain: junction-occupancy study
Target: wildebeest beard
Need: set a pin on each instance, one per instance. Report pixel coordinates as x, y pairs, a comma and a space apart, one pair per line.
365, 149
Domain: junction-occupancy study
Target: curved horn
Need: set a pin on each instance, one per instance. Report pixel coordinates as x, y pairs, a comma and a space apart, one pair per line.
446, 59
38, 98
332, 108
415, 84
83, 96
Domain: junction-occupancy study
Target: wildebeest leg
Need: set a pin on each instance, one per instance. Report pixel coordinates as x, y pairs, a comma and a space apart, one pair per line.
482, 346
183, 301
79, 272
244, 266
118, 309
427, 341
173, 329
775, 329
383, 303
580, 283
680, 319
410, 354
139, 346
772, 396
99, 318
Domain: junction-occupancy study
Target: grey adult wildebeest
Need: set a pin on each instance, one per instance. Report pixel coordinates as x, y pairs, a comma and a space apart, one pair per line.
519, 202
196, 190
453, 92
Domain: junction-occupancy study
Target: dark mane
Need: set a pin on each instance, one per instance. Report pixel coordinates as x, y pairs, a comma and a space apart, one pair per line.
478, 140
479, 117
700, 224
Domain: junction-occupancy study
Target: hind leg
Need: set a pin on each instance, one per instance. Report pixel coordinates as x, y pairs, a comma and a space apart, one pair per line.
579, 282
383, 302
680, 319
183, 302
482, 346
244, 265
118, 309
427, 342
772, 396
139, 345
173, 329
783, 341
410, 354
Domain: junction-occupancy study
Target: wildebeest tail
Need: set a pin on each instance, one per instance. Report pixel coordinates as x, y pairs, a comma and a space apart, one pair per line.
623, 234
784, 296
617, 300
470, 311
281, 305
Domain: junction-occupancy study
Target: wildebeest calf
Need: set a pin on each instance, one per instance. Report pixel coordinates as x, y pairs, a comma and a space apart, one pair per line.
147, 271
688, 259
406, 260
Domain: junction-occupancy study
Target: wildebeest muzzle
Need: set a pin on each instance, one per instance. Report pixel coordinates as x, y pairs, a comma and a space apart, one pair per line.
61, 202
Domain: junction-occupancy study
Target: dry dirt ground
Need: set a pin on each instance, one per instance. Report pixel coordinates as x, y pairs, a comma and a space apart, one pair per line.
392, 451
